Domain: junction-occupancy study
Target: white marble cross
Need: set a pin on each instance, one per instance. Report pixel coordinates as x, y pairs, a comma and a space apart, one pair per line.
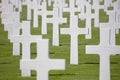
56, 20
4, 2
44, 13
112, 25
11, 21
60, 4
104, 50
29, 5
15, 40
88, 16
116, 6
49, 2
74, 31
10, 18
36, 7
26, 52
14, 29
81, 4
118, 11
17, 4
107, 3
72, 9
96, 7
42, 64
6, 8
26, 39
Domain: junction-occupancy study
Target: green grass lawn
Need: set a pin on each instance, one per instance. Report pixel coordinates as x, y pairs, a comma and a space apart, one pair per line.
87, 69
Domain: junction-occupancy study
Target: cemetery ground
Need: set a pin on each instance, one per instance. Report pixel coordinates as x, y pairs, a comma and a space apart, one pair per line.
87, 69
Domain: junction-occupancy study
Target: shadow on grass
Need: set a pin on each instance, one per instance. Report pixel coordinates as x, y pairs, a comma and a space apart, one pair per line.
90, 63
98, 63
62, 44
50, 53
57, 74
5, 63
2, 44
61, 74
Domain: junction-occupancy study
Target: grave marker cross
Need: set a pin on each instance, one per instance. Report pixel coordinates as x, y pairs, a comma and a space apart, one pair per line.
26, 39
104, 49
56, 20
42, 64
29, 4
88, 16
44, 13
74, 31
72, 9
112, 25
60, 4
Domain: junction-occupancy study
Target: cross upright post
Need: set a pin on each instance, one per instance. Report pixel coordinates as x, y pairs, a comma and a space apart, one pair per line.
104, 50
74, 31
42, 64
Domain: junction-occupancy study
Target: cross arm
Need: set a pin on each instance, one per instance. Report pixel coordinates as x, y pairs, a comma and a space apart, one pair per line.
92, 50
25, 38
83, 31
28, 64
57, 64
65, 31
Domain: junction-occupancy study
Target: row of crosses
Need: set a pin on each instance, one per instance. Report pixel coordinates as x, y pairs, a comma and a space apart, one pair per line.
11, 11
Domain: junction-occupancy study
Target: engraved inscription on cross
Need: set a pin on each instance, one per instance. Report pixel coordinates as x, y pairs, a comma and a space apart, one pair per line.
42, 64
74, 31
104, 49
